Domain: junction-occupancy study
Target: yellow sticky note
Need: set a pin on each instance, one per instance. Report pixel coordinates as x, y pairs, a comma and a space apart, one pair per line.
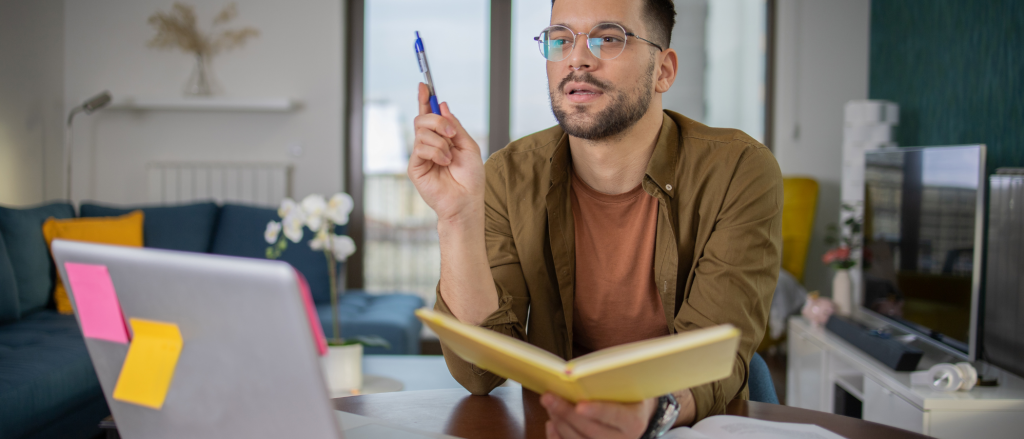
149, 367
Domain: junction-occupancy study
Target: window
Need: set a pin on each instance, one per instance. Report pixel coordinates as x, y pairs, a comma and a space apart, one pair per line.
531, 107
401, 250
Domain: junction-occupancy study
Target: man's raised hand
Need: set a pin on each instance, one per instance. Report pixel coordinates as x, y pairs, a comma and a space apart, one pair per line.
445, 165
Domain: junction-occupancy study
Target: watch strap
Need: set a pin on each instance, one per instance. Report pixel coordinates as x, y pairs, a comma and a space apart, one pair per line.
664, 417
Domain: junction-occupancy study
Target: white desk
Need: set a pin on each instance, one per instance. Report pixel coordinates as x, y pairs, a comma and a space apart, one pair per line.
819, 361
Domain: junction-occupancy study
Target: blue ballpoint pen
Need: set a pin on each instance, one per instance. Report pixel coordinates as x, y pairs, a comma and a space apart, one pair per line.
421, 55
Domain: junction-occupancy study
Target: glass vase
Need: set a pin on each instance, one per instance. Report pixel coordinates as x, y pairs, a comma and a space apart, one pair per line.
201, 82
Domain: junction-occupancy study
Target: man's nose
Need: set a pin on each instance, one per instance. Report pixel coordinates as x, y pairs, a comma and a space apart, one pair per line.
582, 59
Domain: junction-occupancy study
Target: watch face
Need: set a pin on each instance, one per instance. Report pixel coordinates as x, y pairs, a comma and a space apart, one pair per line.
664, 416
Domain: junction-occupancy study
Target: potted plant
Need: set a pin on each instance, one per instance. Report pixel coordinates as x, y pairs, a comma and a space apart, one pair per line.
842, 257
343, 364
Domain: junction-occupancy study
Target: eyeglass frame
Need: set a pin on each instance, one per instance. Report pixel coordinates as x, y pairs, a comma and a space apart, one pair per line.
576, 35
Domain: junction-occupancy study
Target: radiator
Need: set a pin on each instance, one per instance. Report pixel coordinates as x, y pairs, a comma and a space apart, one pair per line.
260, 184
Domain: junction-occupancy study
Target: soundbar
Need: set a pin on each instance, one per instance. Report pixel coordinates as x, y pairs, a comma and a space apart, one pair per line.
892, 353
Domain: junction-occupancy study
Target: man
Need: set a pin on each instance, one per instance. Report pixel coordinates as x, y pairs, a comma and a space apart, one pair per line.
624, 222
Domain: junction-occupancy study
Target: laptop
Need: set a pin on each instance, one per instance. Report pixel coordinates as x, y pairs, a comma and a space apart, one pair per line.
248, 365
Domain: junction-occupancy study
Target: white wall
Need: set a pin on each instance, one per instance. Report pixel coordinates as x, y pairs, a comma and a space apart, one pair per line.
688, 39
31, 100
735, 66
297, 55
822, 62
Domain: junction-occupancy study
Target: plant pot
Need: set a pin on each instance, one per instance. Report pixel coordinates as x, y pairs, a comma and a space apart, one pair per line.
343, 368
841, 292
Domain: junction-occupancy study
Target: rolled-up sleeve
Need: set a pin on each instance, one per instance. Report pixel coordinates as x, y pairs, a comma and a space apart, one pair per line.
509, 282
736, 273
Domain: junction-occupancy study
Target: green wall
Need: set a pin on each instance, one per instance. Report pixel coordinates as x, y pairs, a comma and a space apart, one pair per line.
956, 67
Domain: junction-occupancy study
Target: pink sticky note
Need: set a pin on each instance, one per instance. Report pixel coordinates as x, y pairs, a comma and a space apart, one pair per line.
99, 311
314, 319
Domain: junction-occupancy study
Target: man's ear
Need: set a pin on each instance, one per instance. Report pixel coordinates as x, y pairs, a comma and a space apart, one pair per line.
667, 70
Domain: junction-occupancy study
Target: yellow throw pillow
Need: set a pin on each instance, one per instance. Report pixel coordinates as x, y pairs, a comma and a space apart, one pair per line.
123, 230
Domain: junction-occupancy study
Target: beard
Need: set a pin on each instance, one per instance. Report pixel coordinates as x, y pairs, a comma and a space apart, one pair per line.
625, 109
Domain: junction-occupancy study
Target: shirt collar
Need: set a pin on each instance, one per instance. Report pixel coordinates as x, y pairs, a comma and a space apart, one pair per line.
661, 168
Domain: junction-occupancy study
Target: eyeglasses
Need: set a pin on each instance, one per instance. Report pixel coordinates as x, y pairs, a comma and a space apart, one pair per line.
606, 41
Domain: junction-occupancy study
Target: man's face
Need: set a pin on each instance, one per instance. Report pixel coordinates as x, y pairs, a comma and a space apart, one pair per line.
596, 98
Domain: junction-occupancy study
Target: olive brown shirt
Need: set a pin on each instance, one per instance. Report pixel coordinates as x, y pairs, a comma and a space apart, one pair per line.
717, 248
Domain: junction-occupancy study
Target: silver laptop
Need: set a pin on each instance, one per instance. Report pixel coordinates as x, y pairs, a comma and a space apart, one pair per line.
248, 367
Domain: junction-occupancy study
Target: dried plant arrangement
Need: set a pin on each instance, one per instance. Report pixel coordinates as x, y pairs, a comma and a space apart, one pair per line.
177, 29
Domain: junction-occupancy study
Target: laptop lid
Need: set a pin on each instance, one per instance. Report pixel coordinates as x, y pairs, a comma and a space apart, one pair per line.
248, 364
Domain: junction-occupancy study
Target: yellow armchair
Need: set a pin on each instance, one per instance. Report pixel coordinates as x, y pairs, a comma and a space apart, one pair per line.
800, 198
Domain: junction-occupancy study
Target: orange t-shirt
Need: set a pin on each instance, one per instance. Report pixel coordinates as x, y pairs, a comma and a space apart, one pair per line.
616, 300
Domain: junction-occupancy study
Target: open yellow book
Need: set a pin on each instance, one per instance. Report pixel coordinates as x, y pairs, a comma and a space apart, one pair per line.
626, 373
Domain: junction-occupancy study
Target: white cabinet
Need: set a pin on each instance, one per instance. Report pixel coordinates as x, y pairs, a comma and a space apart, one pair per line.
804, 373
885, 407
819, 362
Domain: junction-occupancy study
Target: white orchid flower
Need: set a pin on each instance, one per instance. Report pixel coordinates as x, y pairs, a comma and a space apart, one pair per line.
338, 208
342, 246
313, 206
320, 241
272, 232
287, 206
293, 225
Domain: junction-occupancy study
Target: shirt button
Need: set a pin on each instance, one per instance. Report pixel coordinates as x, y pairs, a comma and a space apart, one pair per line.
668, 187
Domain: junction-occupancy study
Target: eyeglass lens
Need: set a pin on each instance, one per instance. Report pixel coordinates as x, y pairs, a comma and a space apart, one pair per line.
606, 41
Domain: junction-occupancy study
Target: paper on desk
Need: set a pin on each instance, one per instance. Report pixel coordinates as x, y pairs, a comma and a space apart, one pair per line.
99, 311
149, 367
736, 427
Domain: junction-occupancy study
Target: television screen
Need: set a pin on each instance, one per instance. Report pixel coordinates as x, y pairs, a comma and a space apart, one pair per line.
922, 210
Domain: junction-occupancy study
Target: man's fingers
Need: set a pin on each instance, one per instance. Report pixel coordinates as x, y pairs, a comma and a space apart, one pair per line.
565, 430
570, 424
550, 431
423, 97
461, 137
430, 153
555, 405
435, 123
430, 138
615, 415
606, 413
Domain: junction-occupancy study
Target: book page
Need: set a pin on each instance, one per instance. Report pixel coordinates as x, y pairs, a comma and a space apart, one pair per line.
736, 427
684, 433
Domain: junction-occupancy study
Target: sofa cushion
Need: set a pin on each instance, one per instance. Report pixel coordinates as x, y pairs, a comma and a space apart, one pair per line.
34, 272
187, 227
386, 315
123, 230
45, 372
240, 233
9, 310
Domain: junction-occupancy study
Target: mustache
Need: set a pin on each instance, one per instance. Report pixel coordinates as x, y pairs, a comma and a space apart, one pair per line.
586, 78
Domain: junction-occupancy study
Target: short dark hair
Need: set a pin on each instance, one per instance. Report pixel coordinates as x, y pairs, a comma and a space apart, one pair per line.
660, 16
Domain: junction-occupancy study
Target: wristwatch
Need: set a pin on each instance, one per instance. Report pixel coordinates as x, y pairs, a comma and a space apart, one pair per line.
664, 416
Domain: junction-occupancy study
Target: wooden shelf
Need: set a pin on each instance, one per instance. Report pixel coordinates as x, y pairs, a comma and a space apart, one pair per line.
207, 104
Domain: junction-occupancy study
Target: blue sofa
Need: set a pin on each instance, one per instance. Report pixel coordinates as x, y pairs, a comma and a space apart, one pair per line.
47, 384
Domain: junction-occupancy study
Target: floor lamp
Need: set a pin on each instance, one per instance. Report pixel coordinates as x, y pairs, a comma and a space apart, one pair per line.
88, 107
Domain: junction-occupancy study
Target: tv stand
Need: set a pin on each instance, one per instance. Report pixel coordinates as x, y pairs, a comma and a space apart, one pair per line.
826, 373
